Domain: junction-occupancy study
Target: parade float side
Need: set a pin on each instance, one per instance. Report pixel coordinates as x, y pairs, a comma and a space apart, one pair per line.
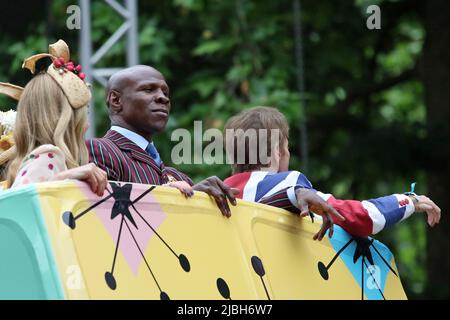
58, 240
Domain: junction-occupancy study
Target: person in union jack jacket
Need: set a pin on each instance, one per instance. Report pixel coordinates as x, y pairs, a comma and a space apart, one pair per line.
258, 182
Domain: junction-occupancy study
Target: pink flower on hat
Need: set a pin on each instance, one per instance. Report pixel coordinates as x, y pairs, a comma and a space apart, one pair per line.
59, 63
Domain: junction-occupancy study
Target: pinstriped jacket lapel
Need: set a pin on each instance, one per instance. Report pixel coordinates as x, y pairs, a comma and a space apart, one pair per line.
134, 150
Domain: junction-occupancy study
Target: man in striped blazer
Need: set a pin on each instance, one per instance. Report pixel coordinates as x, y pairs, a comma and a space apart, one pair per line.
138, 107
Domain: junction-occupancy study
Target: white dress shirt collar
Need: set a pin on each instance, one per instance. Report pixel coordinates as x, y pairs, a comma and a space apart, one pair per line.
133, 136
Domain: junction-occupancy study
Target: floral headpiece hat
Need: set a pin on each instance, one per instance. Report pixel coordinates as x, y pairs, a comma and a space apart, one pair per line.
66, 74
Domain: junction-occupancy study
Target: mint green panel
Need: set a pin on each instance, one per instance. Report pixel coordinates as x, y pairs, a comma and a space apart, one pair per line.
27, 266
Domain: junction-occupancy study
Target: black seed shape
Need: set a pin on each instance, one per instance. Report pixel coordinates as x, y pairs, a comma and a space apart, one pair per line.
68, 219
164, 296
323, 270
110, 280
223, 288
258, 266
184, 262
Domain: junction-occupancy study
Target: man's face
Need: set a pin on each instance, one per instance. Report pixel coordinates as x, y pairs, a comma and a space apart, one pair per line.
145, 102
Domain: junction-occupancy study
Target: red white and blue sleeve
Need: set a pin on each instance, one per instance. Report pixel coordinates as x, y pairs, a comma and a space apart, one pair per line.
368, 217
363, 218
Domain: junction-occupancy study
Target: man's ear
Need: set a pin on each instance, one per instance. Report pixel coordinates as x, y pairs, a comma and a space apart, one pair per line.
275, 156
278, 150
114, 101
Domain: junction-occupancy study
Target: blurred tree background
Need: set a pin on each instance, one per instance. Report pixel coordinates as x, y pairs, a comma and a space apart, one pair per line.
376, 101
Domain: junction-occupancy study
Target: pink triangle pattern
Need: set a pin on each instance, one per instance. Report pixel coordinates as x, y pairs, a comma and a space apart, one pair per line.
148, 207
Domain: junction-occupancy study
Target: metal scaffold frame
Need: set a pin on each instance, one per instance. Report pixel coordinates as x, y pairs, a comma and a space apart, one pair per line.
89, 58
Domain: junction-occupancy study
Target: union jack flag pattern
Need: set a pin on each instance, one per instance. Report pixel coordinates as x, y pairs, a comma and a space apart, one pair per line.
363, 218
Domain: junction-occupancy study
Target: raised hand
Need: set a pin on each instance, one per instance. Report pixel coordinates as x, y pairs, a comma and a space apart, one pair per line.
425, 204
217, 189
89, 173
308, 200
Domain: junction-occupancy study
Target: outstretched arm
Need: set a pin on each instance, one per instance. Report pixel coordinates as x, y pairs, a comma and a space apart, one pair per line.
362, 218
368, 217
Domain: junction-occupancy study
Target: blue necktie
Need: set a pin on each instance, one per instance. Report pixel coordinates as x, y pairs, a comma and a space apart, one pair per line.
153, 153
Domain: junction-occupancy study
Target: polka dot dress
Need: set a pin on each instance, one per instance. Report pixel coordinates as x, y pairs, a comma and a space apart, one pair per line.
41, 165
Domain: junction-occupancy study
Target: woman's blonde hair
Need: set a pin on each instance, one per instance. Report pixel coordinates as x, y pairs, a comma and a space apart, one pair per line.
44, 116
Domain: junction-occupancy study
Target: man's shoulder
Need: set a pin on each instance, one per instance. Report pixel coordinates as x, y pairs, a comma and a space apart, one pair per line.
105, 141
293, 177
102, 145
102, 140
286, 174
285, 178
237, 178
290, 174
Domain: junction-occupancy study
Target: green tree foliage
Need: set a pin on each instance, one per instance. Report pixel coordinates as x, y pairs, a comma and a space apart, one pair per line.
364, 101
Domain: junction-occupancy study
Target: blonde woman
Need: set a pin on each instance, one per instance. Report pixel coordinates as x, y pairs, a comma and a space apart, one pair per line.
50, 125
49, 138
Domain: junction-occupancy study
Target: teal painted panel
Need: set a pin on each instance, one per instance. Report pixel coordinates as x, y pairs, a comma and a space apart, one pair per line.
19, 271
27, 265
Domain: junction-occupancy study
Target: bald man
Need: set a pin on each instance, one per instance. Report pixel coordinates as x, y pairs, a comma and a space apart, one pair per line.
139, 107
